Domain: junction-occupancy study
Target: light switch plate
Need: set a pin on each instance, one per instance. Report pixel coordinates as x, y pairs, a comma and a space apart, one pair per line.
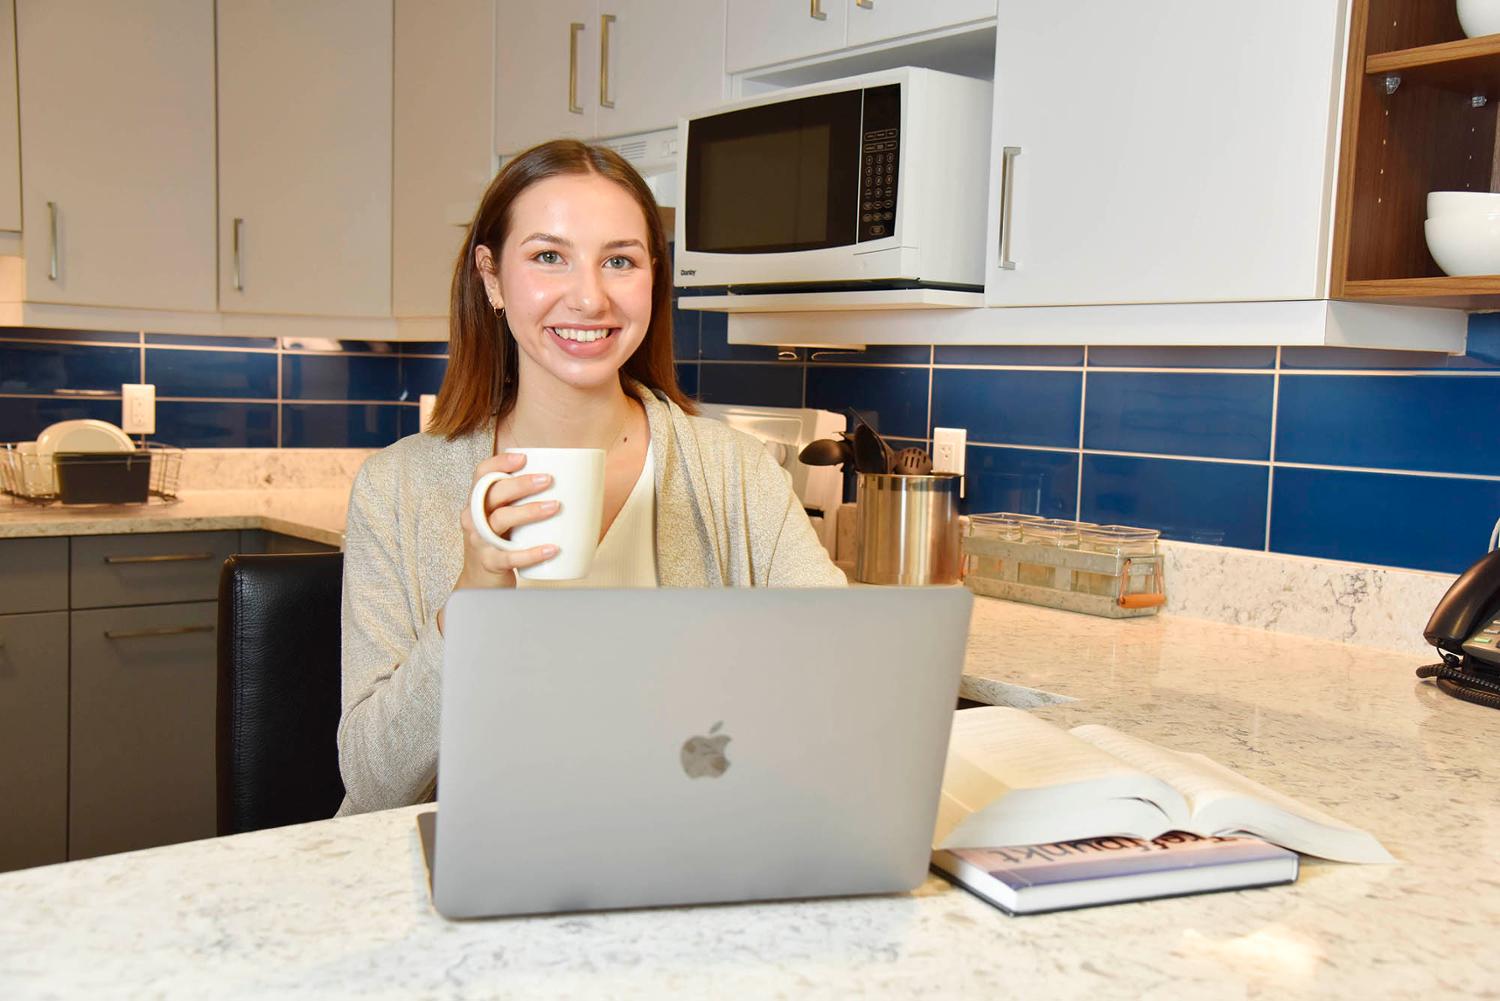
138, 408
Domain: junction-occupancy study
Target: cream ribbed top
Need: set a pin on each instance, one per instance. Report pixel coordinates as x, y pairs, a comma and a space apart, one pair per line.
626, 556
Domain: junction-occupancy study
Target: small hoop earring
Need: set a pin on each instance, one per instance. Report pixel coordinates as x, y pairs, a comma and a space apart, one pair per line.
499, 312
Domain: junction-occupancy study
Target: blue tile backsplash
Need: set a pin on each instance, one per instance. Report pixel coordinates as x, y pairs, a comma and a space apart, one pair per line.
219, 391
1380, 457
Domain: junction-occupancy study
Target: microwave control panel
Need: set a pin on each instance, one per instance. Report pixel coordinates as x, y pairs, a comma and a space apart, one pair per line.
880, 156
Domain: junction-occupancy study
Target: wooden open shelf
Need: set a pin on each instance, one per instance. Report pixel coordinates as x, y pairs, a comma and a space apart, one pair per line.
1464, 292
1469, 66
1426, 135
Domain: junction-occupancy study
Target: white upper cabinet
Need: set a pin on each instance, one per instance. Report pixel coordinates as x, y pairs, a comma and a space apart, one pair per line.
588, 69
10, 123
878, 20
1163, 150
546, 71
305, 157
658, 61
442, 160
762, 32
117, 152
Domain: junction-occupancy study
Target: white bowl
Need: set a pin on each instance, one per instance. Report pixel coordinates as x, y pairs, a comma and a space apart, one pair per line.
1479, 17
1465, 244
1446, 203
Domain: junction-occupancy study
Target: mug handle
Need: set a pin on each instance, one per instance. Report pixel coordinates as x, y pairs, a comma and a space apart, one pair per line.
477, 512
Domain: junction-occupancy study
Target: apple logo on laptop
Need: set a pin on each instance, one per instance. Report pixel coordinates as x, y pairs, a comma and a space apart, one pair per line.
703, 757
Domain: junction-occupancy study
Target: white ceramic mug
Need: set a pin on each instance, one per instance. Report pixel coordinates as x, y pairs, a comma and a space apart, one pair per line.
578, 484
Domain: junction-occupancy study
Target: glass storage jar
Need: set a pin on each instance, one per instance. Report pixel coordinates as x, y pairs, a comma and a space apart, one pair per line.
1136, 547
1057, 533
1002, 525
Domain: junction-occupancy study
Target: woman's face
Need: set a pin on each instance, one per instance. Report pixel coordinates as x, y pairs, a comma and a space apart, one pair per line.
574, 276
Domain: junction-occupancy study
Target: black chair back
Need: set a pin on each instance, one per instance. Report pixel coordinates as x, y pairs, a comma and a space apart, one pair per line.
279, 682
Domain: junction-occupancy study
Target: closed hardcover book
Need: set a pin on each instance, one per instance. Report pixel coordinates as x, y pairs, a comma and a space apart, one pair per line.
1030, 879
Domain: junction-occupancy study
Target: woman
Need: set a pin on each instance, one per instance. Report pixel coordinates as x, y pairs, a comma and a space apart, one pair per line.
560, 336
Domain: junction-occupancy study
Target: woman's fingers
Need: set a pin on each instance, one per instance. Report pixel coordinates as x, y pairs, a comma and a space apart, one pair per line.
504, 462
503, 519
510, 490
499, 560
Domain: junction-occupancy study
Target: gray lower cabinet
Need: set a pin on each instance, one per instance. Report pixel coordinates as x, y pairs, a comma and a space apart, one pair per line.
254, 540
148, 569
33, 739
141, 764
33, 575
108, 682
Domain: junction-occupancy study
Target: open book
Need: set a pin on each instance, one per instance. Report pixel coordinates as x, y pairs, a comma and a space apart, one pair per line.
1014, 779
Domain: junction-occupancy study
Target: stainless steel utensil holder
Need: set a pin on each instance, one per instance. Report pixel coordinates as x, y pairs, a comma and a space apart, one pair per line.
1065, 566
907, 529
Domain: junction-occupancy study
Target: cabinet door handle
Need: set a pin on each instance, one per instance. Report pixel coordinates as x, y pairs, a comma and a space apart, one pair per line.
136, 634
604, 24
1007, 190
167, 558
816, 12
52, 229
239, 280
866, 4
573, 31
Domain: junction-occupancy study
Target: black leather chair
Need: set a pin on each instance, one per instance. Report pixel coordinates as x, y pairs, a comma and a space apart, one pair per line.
278, 708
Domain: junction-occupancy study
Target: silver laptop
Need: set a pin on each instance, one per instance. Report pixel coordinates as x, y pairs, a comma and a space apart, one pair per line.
634, 748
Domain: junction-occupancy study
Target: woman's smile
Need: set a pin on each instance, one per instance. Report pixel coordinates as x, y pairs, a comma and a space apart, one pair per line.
583, 341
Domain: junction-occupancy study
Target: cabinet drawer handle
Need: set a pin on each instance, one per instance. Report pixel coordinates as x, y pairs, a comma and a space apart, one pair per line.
52, 228
135, 634
239, 279
573, 106
1007, 188
168, 558
604, 23
866, 4
816, 11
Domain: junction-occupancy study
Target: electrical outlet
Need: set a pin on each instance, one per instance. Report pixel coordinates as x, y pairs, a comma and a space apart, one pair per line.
138, 408
948, 452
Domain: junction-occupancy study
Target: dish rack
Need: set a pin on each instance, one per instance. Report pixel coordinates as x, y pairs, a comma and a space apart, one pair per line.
151, 471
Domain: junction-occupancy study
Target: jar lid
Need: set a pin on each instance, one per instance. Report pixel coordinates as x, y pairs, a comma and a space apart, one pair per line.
1123, 540
1003, 518
1119, 533
1057, 531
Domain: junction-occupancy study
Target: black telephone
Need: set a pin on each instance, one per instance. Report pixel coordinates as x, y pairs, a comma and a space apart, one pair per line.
1465, 627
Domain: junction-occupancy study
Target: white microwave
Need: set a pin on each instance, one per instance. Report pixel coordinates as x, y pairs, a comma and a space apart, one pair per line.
870, 182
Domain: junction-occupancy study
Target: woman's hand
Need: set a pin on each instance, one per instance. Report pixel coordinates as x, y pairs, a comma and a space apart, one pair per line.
484, 565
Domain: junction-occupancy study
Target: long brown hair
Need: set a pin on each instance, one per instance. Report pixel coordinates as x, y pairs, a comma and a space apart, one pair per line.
481, 380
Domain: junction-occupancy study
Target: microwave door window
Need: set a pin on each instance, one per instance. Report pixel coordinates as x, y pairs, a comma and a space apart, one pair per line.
778, 178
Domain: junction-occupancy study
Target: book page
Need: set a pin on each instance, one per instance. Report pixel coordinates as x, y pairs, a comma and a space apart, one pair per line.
1024, 774
1017, 751
1222, 801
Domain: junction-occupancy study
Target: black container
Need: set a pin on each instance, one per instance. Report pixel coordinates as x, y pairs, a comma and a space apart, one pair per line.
103, 477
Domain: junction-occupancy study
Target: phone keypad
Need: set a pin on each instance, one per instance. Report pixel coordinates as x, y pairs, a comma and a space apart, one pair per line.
1485, 642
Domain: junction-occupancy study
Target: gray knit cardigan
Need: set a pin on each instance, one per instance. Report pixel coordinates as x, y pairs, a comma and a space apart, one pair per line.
726, 516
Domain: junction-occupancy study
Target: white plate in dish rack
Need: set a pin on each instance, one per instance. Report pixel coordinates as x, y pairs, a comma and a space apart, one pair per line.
82, 436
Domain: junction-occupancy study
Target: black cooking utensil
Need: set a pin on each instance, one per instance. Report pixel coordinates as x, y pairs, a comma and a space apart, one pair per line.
912, 462
871, 453
827, 452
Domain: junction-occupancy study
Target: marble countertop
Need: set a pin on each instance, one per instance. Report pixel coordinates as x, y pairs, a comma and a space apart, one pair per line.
313, 513
340, 907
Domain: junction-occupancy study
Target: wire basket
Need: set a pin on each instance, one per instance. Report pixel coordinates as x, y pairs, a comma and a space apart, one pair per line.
89, 478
